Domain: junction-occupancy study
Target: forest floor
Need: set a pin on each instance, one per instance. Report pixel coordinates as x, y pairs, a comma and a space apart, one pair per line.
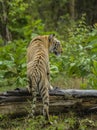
68, 121
65, 121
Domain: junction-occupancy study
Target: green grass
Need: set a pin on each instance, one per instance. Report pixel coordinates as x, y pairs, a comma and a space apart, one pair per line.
68, 121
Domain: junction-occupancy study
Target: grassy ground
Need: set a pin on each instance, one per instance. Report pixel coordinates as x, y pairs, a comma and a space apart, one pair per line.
67, 83
68, 121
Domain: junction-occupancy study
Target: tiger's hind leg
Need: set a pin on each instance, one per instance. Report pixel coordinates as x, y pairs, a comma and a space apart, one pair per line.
45, 98
46, 107
32, 89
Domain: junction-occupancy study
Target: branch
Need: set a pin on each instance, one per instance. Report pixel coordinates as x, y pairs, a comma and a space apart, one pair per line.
18, 101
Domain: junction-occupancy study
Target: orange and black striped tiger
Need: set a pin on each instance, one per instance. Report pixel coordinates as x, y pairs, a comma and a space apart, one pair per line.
38, 71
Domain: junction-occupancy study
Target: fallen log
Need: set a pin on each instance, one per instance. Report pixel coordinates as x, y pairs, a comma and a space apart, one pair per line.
18, 101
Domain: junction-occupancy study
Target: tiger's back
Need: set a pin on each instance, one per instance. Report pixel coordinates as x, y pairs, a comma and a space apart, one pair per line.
38, 69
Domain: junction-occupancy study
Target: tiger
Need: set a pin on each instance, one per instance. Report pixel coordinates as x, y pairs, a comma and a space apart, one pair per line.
38, 70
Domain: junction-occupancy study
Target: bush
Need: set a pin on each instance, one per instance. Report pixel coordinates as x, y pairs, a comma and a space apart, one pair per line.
13, 64
79, 57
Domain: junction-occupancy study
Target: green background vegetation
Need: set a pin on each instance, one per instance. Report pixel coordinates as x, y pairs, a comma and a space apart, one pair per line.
74, 23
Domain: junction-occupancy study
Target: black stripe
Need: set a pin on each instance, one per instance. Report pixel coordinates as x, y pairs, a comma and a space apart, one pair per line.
39, 83
40, 87
43, 90
37, 39
46, 103
43, 94
45, 98
33, 78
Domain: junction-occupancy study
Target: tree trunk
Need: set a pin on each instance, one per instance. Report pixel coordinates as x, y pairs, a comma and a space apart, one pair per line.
19, 101
72, 9
5, 33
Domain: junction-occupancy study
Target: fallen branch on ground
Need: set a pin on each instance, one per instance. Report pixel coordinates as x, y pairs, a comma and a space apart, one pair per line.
18, 101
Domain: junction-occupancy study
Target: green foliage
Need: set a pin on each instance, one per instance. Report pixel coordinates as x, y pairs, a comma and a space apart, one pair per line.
62, 122
13, 64
79, 53
93, 75
17, 18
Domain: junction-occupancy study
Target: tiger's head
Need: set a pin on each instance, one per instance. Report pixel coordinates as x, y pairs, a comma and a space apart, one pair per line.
55, 45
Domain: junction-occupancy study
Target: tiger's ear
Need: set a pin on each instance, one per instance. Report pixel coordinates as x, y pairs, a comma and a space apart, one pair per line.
51, 37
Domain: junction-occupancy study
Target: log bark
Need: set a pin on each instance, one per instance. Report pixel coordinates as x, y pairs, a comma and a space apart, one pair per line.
19, 101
